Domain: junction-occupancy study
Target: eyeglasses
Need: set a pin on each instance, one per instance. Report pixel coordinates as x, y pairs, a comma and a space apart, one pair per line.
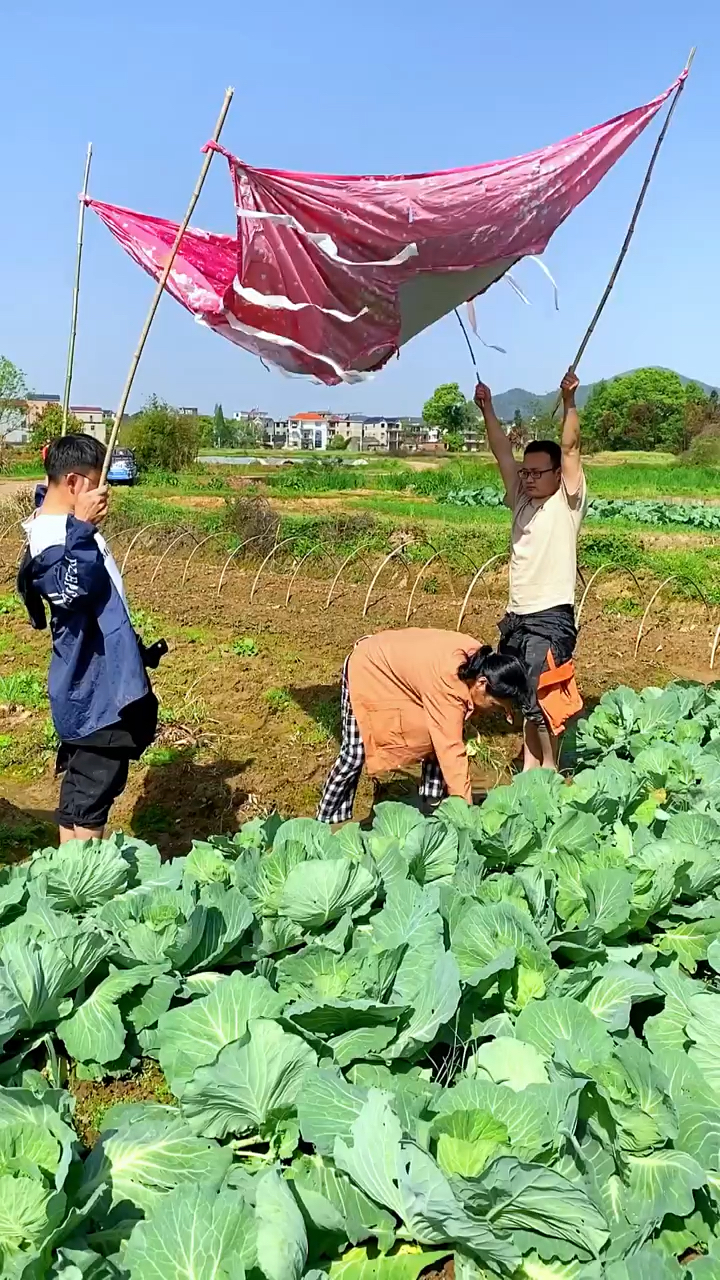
526, 474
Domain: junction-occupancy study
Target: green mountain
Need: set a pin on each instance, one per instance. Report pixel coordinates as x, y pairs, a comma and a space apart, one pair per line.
531, 405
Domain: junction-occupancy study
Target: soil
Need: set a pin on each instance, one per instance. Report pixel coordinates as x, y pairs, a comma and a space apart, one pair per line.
94, 1097
11, 488
246, 734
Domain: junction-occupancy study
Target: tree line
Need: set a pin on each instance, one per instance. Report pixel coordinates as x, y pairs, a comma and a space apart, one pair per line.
647, 410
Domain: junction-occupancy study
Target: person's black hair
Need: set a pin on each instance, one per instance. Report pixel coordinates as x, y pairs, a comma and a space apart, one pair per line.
550, 447
79, 453
506, 675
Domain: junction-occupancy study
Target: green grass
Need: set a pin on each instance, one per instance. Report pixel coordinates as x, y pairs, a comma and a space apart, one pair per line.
622, 607
195, 635
245, 647
10, 605
26, 752
20, 838
153, 820
277, 699
161, 756
147, 626
23, 689
25, 469
326, 714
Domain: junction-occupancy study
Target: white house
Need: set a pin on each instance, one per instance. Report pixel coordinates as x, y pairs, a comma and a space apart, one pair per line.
94, 420
309, 431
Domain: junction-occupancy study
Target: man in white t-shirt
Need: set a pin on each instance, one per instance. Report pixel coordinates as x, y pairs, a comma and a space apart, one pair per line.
548, 499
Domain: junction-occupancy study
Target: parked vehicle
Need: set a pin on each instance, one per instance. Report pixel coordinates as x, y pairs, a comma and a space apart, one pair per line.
123, 467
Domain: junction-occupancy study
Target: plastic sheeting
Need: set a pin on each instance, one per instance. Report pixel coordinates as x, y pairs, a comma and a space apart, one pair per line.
329, 276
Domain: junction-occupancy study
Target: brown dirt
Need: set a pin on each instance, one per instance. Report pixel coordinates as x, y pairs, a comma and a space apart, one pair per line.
308, 506
94, 1097
200, 502
10, 488
237, 747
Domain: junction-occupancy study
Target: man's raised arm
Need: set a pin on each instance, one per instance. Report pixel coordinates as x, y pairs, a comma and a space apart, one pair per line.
570, 438
498, 441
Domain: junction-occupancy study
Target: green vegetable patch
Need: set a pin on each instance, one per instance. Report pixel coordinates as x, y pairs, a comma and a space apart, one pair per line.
491, 1036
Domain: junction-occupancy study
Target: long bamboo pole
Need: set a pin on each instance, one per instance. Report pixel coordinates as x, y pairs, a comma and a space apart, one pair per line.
633, 223
161, 285
76, 294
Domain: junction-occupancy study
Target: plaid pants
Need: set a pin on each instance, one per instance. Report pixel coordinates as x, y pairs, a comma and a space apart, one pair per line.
338, 797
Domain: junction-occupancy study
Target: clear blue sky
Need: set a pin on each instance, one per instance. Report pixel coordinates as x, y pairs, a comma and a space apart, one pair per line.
382, 86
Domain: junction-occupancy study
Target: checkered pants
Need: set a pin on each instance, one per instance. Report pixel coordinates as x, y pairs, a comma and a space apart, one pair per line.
338, 797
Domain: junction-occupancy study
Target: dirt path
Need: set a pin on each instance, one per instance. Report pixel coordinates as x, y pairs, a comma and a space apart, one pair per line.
10, 488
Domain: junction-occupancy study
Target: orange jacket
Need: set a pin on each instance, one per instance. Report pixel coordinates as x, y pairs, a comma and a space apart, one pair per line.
409, 702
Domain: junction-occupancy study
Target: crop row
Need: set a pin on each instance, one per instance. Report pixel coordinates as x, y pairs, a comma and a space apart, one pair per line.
696, 515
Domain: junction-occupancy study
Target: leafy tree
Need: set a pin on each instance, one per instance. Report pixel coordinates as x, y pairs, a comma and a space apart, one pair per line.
647, 409
250, 432
224, 433
12, 394
454, 441
446, 407
164, 438
48, 426
207, 430
338, 443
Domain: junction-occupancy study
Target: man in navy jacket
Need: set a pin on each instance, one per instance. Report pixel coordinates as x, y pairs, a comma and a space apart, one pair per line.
102, 704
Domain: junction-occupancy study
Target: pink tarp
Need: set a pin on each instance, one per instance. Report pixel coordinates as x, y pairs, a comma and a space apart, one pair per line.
328, 276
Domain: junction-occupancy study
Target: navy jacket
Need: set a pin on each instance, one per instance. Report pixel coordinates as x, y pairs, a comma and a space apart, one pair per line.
96, 667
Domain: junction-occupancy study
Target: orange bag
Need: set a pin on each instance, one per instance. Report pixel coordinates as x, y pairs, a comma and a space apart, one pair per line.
558, 694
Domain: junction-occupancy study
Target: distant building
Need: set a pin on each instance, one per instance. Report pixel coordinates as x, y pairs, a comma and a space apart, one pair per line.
93, 419
189, 411
309, 431
35, 404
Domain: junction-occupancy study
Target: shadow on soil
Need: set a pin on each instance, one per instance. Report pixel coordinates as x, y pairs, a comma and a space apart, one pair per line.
321, 702
185, 801
22, 831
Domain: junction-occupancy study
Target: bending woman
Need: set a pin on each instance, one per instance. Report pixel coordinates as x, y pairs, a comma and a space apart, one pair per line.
405, 698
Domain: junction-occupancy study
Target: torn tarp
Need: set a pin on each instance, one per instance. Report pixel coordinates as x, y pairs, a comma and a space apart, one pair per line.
329, 276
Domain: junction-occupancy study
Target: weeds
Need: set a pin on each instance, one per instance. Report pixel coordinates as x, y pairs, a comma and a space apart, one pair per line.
152, 820
622, 606
277, 699
245, 648
161, 756
27, 750
23, 689
17, 839
10, 605
146, 625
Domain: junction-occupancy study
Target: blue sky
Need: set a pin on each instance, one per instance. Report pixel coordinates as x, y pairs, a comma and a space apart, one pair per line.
382, 86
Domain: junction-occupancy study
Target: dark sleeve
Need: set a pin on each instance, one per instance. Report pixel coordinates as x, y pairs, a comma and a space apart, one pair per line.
76, 576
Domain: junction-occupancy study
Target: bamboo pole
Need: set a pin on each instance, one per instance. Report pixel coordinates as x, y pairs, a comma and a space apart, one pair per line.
161, 285
76, 294
633, 223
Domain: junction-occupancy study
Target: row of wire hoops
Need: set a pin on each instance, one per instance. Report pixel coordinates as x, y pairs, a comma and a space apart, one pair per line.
397, 553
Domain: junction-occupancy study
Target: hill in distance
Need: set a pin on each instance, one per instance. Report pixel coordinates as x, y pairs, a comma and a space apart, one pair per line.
508, 402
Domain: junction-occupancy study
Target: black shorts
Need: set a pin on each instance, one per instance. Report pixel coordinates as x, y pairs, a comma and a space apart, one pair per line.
96, 767
94, 777
529, 636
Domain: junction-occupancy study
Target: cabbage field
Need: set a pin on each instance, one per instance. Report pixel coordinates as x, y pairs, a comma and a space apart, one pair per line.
650, 511
490, 1036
